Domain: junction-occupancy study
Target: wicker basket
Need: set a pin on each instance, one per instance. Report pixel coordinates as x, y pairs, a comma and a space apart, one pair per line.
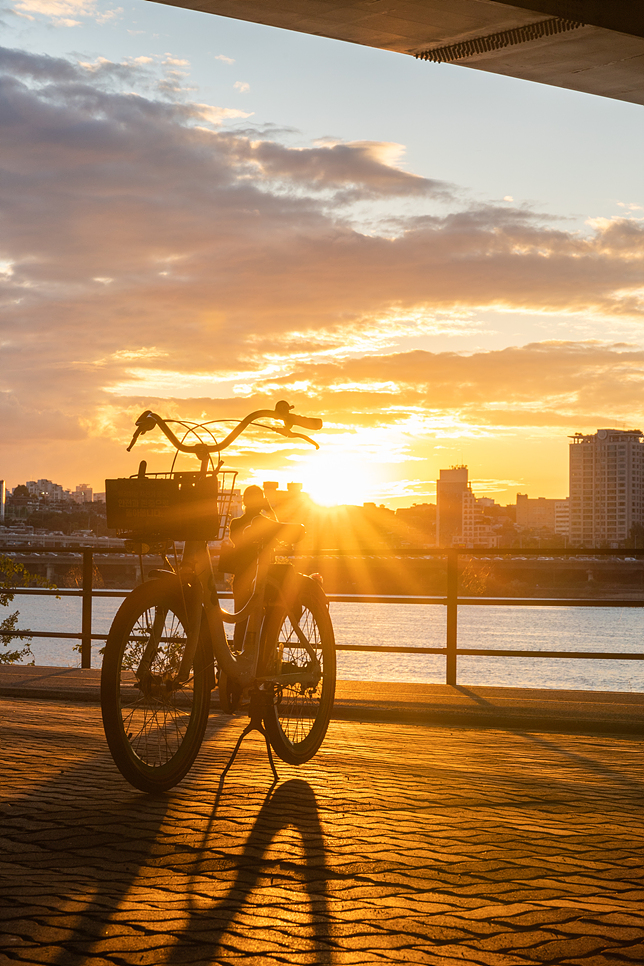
169, 506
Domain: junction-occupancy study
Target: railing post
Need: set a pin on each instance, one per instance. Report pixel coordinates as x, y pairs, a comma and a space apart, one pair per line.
86, 619
452, 614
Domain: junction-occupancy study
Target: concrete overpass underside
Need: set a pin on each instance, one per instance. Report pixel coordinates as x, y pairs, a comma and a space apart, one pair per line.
595, 46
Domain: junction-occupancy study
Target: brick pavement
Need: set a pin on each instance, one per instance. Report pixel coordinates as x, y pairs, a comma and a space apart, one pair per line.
397, 843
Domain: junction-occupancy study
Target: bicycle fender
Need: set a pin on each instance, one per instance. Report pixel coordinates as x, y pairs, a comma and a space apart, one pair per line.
284, 581
310, 585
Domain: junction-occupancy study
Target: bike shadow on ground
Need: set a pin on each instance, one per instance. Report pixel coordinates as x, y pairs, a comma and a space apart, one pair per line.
81, 841
111, 870
263, 902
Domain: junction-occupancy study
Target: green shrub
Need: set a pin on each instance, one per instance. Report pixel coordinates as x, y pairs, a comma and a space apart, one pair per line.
12, 575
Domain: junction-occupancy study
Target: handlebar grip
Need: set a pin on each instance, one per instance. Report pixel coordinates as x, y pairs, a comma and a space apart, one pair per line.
144, 424
283, 411
307, 422
137, 433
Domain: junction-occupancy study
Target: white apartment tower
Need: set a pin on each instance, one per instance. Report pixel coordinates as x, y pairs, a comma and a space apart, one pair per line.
606, 486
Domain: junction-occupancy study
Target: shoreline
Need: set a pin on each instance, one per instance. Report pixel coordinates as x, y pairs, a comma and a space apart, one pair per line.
526, 709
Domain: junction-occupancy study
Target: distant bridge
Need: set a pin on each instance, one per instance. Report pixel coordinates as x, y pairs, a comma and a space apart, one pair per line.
65, 567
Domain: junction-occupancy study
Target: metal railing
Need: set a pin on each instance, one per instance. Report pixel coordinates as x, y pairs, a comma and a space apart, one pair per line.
451, 600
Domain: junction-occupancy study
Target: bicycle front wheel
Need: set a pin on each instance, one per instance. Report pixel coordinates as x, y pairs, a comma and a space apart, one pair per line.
298, 718
154, 726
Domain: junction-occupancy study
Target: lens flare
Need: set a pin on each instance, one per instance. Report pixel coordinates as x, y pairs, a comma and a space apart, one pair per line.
336, 480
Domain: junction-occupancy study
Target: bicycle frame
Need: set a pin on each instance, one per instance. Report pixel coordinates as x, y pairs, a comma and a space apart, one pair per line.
201, 599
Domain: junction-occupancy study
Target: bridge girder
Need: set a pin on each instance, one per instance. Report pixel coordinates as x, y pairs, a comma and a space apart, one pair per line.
584, 45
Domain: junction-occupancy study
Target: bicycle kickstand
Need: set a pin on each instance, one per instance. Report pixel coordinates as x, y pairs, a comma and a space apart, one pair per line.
256, 713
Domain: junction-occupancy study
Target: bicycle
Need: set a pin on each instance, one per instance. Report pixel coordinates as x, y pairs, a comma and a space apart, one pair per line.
167, 648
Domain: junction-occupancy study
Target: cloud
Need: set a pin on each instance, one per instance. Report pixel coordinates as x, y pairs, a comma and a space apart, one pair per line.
41, 68
107, 15
241, 86
222, 57
64, 13
21, 421
215, 115
360, 169
133, 220
547, 383
176, 61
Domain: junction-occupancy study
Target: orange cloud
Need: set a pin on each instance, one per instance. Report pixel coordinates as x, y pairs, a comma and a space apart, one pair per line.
142, 248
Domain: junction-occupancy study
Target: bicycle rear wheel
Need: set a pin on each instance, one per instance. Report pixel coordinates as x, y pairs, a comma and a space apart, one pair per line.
153, 726
299, 715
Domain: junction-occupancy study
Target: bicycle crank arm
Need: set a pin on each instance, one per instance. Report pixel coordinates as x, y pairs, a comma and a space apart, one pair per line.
307, 680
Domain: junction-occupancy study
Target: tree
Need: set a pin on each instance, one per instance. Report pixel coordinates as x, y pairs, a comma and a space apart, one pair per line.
14, 574
21, 491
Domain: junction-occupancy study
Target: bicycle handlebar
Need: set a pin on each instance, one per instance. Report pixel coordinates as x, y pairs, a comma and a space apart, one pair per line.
283, 412
148, 420
307, 422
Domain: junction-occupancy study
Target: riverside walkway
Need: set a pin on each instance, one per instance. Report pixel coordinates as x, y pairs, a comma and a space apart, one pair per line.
422, 842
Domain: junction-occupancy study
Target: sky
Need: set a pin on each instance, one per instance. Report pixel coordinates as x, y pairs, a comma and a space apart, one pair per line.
202, 216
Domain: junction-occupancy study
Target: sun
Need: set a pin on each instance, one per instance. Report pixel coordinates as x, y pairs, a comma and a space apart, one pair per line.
338, 479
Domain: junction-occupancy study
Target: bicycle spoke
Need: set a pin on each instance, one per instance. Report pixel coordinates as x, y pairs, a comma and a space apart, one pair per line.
298, 708
154, 723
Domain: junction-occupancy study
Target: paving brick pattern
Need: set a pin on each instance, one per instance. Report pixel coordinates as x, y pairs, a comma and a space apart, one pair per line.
396, 844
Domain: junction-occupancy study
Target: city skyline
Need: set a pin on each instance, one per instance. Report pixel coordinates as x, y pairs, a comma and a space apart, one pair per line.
481, 486
47, 489
604, 507
51, 490
230, 214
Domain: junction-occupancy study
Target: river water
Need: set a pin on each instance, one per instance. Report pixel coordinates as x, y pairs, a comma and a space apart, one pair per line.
538, 628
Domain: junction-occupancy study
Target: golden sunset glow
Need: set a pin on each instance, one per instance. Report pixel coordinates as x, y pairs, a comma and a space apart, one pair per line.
331, 481
216, 263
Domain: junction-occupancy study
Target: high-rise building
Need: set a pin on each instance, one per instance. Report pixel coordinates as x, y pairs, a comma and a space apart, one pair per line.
451, 486
476, 528
606, 486
2, 500
543, 514
462, 519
